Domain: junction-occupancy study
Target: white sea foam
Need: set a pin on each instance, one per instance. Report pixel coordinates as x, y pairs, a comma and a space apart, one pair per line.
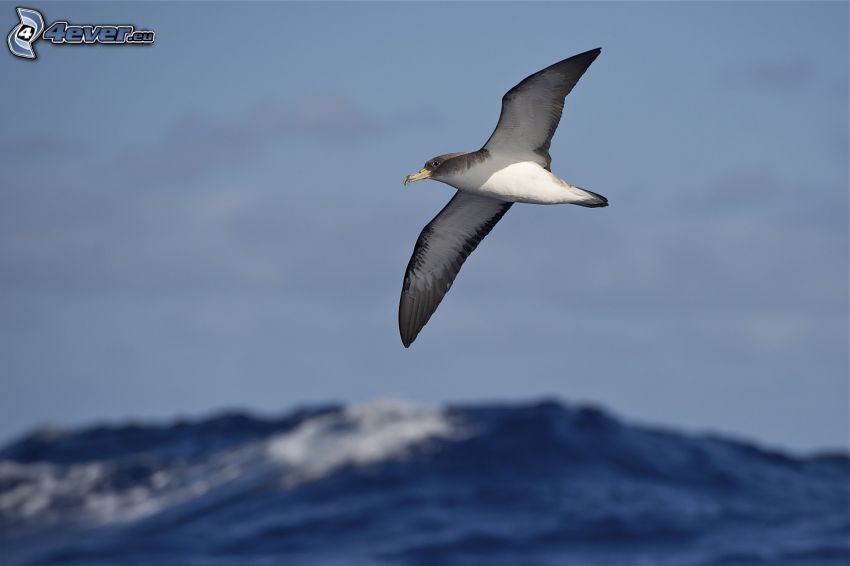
360, 435
44, 493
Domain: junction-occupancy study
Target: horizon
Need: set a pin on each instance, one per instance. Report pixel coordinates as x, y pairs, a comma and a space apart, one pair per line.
129, 421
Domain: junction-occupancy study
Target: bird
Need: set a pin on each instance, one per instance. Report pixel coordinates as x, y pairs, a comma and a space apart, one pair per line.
514, 165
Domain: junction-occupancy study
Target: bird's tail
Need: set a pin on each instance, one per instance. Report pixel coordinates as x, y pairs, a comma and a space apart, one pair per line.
591, 199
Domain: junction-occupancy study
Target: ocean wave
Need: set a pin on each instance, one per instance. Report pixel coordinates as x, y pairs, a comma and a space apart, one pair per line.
358, 435
141, 483
391, 482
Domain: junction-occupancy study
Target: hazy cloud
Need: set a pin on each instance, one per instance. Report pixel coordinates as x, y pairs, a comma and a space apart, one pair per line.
45, 145
774, 75
196, 144
744, 191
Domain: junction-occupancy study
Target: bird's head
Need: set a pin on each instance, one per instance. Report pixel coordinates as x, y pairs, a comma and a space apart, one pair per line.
432, 168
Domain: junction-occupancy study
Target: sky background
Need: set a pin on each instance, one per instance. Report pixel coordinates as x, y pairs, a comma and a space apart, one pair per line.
218, 220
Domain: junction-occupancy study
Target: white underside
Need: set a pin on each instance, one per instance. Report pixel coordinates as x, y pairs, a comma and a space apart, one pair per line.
508, 179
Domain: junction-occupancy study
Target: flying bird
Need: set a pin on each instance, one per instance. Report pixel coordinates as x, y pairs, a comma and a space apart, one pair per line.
513, 166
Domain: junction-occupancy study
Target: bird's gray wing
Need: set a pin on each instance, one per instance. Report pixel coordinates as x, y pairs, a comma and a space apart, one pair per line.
532, 109
440, 251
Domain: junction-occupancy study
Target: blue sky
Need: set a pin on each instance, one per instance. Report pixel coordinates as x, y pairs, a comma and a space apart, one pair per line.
218, 220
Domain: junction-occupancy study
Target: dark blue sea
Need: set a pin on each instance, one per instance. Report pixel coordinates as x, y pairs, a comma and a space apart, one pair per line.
392, 483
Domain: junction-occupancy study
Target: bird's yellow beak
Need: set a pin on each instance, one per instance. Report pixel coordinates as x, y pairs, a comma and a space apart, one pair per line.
423, 174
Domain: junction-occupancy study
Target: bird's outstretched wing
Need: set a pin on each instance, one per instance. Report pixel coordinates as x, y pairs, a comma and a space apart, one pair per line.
440, 251
532, 109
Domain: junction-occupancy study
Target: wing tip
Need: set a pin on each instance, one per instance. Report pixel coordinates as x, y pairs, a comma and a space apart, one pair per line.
405, 324
590, 54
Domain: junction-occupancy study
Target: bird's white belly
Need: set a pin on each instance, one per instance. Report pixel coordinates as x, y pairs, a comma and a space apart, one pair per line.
525, 181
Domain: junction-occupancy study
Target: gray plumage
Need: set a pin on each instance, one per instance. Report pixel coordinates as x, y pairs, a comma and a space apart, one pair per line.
532, 109
530, 115
440, 251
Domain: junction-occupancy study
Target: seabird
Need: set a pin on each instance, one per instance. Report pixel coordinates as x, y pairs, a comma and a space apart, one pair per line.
513, 166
